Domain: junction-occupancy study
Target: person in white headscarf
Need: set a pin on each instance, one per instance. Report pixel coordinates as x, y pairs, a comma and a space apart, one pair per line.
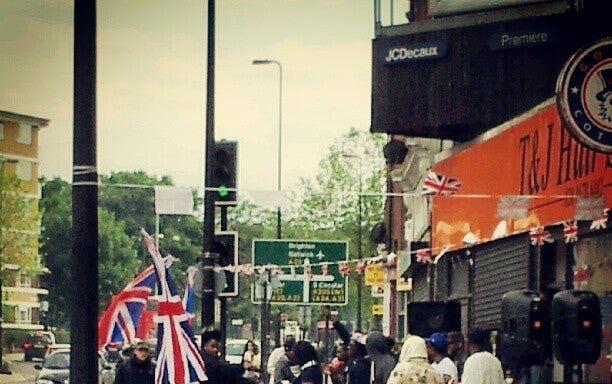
413, 366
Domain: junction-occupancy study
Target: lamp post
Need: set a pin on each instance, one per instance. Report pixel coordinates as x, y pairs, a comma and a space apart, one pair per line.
359, 225
280, 135
265, 329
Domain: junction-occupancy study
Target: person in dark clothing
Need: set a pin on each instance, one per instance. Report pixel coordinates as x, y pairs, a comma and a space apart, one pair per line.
138, 369
306, 358
379, 352
217, 370
282, 369
358, 371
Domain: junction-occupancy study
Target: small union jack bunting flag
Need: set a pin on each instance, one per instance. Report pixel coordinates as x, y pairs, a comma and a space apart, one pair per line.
539, 236
601, 223
570, 231
308, 271
344, 269
360, 267
423, 256
435, 184
324, 269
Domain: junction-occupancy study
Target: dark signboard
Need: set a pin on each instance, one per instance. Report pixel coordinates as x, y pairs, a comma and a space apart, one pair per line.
466, 87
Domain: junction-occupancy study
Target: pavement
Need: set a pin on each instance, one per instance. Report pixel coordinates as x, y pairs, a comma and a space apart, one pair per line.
22, 372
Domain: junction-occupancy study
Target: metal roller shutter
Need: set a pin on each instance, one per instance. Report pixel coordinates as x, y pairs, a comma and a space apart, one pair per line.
499, 266
420, 285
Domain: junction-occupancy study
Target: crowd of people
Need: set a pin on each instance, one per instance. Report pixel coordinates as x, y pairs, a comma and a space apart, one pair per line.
358, 358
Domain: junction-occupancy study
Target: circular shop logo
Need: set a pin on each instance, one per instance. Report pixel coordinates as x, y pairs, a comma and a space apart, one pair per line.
584, 95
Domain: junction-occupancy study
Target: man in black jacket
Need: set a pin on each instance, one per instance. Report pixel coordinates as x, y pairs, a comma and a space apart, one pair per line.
217, 370
138, 369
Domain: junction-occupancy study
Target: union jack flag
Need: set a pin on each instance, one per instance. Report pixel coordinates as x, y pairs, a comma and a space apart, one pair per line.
344, 269
120, 319
360, 267
189, 296
539, 236
602, 222
178, 359
423, 256
570, 231
435, 184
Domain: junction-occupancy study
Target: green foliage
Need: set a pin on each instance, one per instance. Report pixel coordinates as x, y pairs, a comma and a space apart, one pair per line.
18, 224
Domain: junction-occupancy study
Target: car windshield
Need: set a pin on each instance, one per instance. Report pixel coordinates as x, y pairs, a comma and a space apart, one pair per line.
45, 339
58, 361
234, 349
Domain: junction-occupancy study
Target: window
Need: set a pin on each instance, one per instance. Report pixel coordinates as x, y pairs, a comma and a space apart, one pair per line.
24, 133
24, 170
24, 315
1, 130
25, 280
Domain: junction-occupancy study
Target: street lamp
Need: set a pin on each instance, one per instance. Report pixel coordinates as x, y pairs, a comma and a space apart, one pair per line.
359, 225
4, 370
280, 133
265, 329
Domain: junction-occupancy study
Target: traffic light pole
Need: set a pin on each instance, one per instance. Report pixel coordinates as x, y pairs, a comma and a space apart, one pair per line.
223, 299
208, 226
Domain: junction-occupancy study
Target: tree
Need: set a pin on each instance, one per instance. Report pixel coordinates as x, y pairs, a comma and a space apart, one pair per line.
328, 205
18, 224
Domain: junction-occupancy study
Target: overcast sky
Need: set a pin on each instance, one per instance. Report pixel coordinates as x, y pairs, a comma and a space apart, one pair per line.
151, 82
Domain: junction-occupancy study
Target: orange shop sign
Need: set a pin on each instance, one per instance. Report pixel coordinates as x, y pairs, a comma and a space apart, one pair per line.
533, 155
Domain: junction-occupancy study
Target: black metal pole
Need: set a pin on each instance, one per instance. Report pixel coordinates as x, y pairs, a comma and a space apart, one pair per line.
83, 327
223, 299
265, 327
208, 275
359, 252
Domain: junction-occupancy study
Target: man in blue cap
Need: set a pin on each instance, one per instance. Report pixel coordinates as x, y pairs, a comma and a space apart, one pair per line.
442, 364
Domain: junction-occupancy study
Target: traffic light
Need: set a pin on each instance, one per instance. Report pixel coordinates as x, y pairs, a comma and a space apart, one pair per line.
576, 322
226, 246
524, 330
223, 176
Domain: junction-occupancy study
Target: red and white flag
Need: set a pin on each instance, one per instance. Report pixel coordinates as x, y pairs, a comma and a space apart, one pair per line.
435, 184
360, 267
308, 271
602, 222
423, 256
570, 231
344, 269
539, 236
324, 269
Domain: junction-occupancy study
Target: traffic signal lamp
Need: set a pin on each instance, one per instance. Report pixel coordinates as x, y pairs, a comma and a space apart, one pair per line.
524, 330
576, 323
226, 246
223, 175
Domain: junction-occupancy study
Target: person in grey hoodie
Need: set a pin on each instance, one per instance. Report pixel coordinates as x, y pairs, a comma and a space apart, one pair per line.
382, 361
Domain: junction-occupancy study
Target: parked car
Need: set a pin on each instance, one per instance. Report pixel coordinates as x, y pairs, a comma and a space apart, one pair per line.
55, 347
55, 369
234, 348
35, 345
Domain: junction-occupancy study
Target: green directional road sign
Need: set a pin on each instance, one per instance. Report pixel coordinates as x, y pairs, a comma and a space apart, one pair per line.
293, 285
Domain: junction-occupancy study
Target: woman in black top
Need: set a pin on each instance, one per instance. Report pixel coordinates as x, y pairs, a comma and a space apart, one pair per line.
306, 358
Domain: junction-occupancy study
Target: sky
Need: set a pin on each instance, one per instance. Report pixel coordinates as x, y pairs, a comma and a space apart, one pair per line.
152, 82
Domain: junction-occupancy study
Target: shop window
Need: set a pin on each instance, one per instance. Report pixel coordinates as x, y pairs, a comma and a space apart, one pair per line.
24, 170
25, 280
24, 133
1, 131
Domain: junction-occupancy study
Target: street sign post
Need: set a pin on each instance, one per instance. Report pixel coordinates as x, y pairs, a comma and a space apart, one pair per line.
325, 285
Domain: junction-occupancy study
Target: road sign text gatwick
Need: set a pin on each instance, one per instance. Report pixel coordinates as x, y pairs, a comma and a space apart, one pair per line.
308, 269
